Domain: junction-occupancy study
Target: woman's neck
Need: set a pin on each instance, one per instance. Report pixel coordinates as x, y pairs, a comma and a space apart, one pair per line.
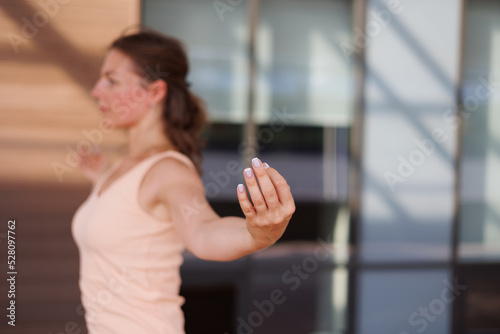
146, 138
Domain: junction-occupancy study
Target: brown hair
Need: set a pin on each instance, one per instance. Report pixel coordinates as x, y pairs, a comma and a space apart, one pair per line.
158, 56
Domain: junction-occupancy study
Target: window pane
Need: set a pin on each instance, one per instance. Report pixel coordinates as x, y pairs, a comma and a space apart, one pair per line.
222, 165
301, 65
216, 47
480, 196
407, 195
314, 159
406, 301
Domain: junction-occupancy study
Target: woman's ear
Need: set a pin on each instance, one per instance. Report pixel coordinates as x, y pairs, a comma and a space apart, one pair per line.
158, 90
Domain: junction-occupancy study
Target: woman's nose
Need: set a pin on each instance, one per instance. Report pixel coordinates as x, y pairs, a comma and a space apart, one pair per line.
96, 90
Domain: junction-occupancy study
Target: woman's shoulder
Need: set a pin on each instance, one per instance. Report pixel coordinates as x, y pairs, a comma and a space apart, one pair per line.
170, 157
170, 174
171, 167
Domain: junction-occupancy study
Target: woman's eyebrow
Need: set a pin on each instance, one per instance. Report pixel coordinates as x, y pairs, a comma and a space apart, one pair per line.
108, 73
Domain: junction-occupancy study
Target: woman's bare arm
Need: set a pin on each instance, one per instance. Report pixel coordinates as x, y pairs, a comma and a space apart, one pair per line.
211, 237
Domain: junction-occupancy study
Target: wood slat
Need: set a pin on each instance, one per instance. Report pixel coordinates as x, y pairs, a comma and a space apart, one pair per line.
45, 86
44, 106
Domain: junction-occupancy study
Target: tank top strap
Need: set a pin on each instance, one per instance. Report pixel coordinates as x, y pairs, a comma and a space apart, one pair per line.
149, 162
145, 166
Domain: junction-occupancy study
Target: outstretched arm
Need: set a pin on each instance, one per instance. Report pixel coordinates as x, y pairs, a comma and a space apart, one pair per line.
211, 237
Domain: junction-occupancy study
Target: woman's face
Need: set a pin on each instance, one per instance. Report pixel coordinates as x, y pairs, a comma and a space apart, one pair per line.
121, 93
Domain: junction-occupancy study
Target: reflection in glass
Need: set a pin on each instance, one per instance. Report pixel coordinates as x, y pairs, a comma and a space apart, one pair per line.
300, 64
480, 178
217, 51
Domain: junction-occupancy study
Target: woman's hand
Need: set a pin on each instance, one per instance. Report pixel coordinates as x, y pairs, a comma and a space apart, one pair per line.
93, 165
273, 204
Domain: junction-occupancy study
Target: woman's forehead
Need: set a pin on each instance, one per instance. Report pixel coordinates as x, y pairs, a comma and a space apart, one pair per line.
116, 62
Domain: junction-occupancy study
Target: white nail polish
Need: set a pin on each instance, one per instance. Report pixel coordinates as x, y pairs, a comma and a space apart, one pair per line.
256, 162
248, 172
240, 188
266, 165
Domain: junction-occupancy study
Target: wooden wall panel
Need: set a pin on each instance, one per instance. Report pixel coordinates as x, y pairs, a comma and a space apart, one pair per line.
45, 104
50, 56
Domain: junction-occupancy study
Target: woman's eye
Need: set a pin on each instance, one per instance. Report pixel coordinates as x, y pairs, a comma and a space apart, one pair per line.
111, 81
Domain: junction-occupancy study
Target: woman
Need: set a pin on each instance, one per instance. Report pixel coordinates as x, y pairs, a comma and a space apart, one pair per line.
150, 205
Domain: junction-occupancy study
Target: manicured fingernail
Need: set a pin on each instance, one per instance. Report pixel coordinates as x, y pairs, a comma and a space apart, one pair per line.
266, 166
256, 162
240, 188
248, 172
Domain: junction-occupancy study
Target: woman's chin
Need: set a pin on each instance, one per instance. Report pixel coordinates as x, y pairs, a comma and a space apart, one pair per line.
116, 125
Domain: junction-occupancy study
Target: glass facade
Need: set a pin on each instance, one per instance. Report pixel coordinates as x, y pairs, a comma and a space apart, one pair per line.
299, 123
480, 196
478, 252
291, 81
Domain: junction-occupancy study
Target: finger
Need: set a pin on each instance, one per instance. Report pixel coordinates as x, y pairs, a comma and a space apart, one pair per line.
266, 185
245, 204
282, 188
258, 200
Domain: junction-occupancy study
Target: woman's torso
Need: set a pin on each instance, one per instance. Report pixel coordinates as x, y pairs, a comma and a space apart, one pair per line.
129, 259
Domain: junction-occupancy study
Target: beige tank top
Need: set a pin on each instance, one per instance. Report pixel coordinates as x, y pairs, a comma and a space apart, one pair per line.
129, 260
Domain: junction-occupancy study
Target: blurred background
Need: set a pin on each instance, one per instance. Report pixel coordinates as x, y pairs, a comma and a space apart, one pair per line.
383, 115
